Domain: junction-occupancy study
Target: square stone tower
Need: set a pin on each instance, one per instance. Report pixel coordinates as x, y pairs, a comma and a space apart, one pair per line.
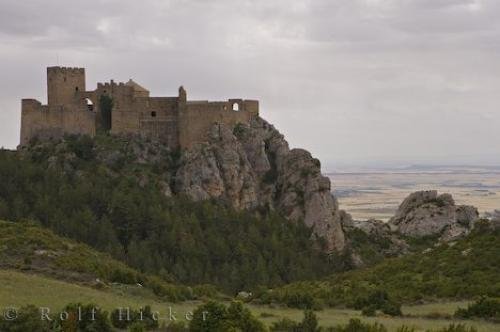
64, 84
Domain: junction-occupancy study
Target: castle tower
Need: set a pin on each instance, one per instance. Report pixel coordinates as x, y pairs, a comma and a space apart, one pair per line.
64, 84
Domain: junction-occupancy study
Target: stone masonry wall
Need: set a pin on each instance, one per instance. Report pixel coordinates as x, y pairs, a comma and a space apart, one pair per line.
172, 120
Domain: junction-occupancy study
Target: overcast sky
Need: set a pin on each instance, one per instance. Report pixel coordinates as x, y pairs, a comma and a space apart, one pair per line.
353, 81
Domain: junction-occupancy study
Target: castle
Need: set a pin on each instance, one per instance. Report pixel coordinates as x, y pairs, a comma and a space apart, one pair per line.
124, 108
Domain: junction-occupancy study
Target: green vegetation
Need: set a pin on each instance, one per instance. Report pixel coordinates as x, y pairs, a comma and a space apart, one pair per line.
19, 289
74, 317
28, 319
216, 317
123, 318
483, 308
462, 270
377, 300
309, 324
103, 193
371, 248
29, 247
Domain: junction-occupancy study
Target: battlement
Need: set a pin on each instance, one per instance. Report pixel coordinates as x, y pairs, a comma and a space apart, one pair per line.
129, 109
67, 70
110, 84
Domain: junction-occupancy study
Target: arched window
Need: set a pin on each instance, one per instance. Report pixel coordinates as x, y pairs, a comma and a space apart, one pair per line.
236, 107
90, 104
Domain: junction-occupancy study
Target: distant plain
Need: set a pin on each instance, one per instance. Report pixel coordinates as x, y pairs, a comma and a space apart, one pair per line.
378, 193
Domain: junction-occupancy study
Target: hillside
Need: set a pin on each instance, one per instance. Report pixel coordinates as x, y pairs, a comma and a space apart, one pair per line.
464, 269
31, 249
115, 194
39, 291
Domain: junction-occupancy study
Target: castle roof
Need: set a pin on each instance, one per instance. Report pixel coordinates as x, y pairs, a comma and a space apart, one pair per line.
136, 86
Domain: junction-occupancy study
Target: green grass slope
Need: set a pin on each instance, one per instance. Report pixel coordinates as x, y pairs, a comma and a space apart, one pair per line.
30, 248
19, 289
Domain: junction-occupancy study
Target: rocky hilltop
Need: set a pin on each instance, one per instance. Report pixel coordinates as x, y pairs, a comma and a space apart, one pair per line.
252, 167
248, 167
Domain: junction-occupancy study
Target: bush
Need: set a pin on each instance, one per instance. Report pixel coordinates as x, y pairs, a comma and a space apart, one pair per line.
300, 299
137, 327
209, 291
369, 311
392, 309
483, 308
309, 324
28, 319
126, 317
92, 319
405, 328
177, 327
355, 325
216, 317
284, 325
377, 300
82, 146
209, 317
456, 328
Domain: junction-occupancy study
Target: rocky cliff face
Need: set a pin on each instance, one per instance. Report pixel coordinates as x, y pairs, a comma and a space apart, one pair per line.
425, 213
252, 166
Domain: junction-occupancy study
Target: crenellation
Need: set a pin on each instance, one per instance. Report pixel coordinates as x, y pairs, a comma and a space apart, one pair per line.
175, 121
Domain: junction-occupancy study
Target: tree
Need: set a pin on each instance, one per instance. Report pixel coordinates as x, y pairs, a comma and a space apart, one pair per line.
309, 322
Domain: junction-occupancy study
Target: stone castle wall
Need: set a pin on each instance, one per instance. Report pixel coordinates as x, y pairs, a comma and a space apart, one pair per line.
199, 116
172, 120
44, 122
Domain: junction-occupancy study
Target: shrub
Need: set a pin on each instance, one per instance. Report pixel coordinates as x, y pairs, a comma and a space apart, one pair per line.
300, 299
377, 300
369, 311
405, 328
284, 325
137, 327
209, 317
177, 327
209, 291
216, 317
355, 325
126, 317
483, 308
28, 319
392, 309
82, 146
309, 323
84, 318
456, 328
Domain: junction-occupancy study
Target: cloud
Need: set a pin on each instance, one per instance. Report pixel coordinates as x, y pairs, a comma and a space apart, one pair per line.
358, 80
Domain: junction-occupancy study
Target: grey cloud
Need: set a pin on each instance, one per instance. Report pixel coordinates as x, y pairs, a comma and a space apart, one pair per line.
357, 80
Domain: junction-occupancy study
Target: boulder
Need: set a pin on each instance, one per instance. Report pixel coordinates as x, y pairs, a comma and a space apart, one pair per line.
425, 213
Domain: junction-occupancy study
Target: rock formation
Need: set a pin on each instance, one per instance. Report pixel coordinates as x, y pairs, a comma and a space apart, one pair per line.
425, 213
252, 166
247, 166
381, 239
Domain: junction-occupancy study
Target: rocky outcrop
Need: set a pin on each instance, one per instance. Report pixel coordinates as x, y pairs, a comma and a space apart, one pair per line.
252, 166
378, 236
425, 213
